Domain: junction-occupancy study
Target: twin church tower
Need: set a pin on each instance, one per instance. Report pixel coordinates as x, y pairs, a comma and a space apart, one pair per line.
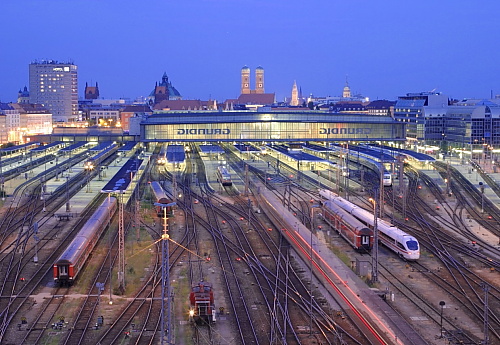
245, 80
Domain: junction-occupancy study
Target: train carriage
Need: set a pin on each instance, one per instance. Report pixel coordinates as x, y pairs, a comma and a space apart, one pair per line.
359, 236
223, 176
391, 236
72, 260
387, 179
160, 197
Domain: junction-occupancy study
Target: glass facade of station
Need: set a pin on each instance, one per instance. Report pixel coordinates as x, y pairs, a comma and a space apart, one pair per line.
233, 126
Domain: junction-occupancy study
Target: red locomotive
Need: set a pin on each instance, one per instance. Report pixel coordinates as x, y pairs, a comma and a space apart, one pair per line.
201, 300
358, 235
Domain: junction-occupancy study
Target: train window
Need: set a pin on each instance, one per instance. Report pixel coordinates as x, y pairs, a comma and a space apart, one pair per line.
365, 239
400, 245
412, 245
63, 270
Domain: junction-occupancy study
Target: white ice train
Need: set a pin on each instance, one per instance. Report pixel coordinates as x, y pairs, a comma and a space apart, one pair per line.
387, 179
392, 237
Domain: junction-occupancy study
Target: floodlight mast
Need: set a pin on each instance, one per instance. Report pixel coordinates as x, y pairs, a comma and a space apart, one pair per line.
165, 282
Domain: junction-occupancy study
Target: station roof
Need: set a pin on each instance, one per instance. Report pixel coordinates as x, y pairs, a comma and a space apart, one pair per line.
129, 145
18, 147
191, 117
317, 148
211, 149
103, 152
74, 146
176, 154
246, 148
417, 155
47, 147
120, 182
378, 155
422, 157
297, 155
102, 146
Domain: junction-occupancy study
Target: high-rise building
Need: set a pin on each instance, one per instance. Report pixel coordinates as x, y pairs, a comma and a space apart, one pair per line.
55, 86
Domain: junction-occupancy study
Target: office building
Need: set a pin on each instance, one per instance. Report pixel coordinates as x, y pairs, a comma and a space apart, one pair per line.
55, 86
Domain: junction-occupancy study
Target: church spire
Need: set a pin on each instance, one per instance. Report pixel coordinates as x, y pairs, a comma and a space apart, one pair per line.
295, 95
347, 91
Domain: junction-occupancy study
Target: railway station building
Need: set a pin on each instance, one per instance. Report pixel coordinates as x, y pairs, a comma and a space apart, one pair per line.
268, 126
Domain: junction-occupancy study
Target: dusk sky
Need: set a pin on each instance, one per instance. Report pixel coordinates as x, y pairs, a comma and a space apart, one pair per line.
386, 48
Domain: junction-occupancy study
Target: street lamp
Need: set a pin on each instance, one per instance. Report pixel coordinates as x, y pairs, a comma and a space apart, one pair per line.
375, 239
442, 304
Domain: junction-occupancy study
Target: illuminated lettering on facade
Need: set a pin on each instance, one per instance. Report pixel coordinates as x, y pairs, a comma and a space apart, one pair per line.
204, 131
345, 131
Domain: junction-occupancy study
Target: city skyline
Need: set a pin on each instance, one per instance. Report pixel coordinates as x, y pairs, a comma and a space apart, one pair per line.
386, 50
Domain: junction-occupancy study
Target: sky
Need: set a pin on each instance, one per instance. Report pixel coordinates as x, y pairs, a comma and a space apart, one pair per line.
385, 49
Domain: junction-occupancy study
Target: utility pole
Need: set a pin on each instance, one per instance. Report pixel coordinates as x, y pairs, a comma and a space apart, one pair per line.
347, 175
68, 207
311, 268
165, 281
246, 180
375, 238
486, 337
441, 304
121, 244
